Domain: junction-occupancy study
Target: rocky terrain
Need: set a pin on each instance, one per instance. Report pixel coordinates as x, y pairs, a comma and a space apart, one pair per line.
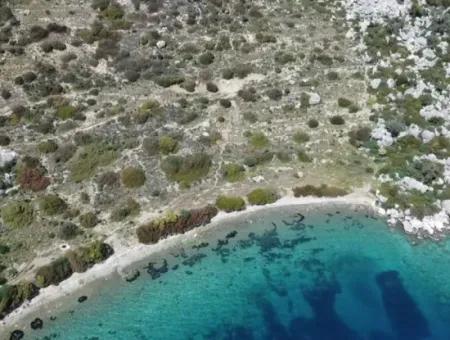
112, 112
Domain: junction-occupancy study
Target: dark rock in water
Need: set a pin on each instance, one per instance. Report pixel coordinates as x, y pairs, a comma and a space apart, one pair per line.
17, 335
81, 299
37, 324
193, 259
301, 217
201, 245
53, 318
175, 267
129, 275
404, 314
156, 272
231, 234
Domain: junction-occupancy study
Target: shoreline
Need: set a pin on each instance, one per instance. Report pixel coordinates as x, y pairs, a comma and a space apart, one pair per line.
130, 252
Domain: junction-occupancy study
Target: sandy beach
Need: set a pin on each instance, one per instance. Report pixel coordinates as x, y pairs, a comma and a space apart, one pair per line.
129, 252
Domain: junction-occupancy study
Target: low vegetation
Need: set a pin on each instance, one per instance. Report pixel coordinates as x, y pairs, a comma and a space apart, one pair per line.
230, 203
262, 196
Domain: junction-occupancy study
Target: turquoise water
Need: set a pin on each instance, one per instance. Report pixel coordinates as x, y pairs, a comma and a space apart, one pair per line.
289, 274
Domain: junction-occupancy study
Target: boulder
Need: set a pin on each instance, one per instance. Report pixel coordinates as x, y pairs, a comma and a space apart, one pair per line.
129, 275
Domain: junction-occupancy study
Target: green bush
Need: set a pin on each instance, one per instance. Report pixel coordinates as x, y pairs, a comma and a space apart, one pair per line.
230, 203
186, 169
86, 162
344, 102
167, 145
233, 172
125, 209
48, 146
89, 220
133, 177
66, 112
17, 214
303, 156
337, 120
313, 123
53, 273
68, 231
83, 258
206, 58
52, 204
258, 140
262, 196
301, 137
322, 191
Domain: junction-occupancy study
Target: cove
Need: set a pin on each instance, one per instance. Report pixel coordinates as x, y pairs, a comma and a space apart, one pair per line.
330, 272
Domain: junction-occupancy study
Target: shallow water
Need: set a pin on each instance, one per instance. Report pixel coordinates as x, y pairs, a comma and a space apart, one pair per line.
290, 274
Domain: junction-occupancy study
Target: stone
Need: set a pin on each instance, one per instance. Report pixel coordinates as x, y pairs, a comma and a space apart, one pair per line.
161, 44
37, 324
7, 157
129, 275
81, 299
446, 206
16, 335
314, 98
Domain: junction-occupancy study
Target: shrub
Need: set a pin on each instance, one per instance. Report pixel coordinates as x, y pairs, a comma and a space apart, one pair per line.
48, 146
168, 80
301, 137
274, 94
89, 220
344, 102
259, 140
83, 258
187, 169
230, 203
64, 153
303, 156
211, 87
359, 136
68, 231
233, 172
13, 296
206, 58
322, 191
17, 214
133, 177
313, 123
167, 145
241, 71
337, 120
53, 273
32, 178
125, 209
262, 196
89, 159
175, 223
52, 204
248, 94
225, 103
65, 112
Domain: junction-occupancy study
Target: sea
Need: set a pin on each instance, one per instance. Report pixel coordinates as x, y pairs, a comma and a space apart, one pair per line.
328, 272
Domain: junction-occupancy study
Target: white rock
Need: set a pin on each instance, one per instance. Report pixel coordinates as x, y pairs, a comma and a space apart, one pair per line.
446, 206
375, 83
427, 136
7, 157
314, 98
409, 183
258, 179
161, 44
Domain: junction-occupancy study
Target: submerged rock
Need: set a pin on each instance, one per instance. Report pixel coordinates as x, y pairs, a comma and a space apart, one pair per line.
129, 275
17, 335
83, 298
37, 324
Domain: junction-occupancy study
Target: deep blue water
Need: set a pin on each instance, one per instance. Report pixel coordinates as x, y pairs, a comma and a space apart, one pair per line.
290, 274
